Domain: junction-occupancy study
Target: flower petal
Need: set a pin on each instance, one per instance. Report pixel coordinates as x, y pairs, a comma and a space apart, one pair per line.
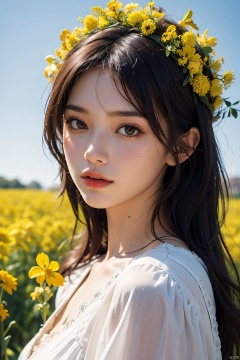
57, 279
40, 279
54, 266
34, 272
7, 288
49, 280
42, 260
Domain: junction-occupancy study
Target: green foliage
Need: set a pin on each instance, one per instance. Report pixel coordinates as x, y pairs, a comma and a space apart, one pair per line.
16, 184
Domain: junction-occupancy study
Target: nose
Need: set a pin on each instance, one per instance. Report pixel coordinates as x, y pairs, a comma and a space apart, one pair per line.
96, 152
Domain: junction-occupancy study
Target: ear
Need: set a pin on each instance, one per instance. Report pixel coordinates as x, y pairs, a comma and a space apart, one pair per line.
190, 141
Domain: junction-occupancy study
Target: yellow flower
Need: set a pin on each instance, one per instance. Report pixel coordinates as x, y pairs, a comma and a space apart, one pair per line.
137, 17
50, 70
150, 4
189, 38
187, 20
64, 33
46, 271
70, 41
169, 34
3, 312
194, 65
187, 51
200, 84
216, 65
7, 282
217, 102
39, 307
5, 244
49, 59
228, 78
156, 15
131, 6
148, 27
4, 251
203, 41
114, 5
90, 23
102, 22
182, 61
216, 88
98, 10
110, 14
61, 53
37, 291
78, 32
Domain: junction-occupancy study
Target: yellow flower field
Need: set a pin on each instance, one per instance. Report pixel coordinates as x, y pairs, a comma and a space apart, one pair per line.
231, 229
31, 222
35, 221
31, 219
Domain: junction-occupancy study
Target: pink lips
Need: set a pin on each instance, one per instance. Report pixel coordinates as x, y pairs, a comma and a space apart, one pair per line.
95, 180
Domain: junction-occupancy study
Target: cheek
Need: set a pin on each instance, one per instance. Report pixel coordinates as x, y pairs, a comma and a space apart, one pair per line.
145, 156
70, 147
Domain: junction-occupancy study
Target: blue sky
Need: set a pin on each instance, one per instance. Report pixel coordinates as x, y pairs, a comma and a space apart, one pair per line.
30, 30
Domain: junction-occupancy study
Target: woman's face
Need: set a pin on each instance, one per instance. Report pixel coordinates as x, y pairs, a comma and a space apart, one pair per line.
112, 155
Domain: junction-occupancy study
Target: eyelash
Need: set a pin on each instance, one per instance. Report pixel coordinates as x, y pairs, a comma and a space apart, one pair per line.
136, 128
69, 122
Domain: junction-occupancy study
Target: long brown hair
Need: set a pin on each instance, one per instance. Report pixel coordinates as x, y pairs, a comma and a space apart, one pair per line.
152, 82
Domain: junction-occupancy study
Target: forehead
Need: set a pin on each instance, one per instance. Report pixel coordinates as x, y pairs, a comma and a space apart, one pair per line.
101, 86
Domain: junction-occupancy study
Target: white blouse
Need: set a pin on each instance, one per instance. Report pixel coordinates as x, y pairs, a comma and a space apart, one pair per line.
160, 306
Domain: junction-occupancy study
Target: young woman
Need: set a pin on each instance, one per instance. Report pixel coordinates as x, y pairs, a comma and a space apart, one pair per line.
141, 168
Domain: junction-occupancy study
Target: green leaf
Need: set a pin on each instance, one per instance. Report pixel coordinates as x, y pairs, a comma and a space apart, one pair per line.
216, 117
7, 339
206, 50
205, 100
234, 112
237, 102
9, 327
186, 80
228, 103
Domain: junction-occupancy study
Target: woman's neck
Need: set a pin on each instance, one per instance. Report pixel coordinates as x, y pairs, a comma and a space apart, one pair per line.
129, 228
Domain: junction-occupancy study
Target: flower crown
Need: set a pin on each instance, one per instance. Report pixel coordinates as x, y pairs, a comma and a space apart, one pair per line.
183, 47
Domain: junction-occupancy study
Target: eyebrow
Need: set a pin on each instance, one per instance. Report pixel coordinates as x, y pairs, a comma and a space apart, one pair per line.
125, 113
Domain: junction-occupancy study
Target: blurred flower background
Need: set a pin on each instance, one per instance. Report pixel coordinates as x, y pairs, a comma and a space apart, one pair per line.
31, 222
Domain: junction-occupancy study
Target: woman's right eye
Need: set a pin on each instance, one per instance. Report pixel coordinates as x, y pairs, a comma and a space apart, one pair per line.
75, 124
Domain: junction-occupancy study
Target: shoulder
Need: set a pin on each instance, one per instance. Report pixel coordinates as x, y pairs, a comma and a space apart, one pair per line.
166, 291
167, 272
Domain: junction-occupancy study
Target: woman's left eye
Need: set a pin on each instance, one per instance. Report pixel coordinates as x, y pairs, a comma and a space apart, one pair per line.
129, 130
75, 124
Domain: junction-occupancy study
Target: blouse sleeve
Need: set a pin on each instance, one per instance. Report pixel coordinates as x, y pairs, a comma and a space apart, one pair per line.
151, 317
